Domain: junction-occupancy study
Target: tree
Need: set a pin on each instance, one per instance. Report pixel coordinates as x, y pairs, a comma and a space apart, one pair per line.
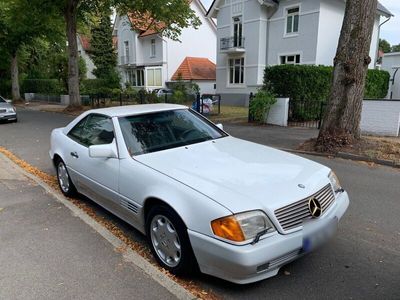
341, 122
384, 45
102, 50
174, 14
21, 21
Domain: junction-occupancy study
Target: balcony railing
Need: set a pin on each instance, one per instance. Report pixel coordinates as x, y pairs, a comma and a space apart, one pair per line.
232, 43
124, 60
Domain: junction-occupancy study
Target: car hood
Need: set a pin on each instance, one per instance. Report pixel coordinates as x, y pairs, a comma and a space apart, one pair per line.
240, 175
5, 105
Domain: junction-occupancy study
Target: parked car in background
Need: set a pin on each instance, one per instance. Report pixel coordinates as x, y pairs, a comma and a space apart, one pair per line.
204, 199
163, 92
7, 111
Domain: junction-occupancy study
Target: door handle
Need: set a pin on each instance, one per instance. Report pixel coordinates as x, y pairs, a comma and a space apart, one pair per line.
74, 154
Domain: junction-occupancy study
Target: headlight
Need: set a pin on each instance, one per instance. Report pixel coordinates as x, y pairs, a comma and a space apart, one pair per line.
335, 182
10, 110
242, 227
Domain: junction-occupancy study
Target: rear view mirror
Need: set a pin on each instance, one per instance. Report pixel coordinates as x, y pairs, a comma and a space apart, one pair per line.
103, 151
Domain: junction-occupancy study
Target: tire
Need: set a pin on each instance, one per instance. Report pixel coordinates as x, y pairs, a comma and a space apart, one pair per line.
63, 179
169, 241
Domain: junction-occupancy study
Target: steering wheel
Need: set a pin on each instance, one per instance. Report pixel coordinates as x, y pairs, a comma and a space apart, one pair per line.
187, 132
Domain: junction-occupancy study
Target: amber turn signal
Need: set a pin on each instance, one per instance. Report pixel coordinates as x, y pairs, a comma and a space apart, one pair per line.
228, 228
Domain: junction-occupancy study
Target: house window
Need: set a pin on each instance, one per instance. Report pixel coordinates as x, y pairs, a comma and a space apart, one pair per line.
153, 48
237, 32
140, 77
292, 20
290, 59
154, 77
135, 77
236, 70
126, 48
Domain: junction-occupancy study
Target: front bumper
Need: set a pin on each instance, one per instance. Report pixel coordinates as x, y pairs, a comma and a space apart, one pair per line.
250, 263
8, 117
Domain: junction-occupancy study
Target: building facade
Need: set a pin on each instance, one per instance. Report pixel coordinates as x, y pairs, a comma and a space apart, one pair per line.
391, 63
148, 60
253, 34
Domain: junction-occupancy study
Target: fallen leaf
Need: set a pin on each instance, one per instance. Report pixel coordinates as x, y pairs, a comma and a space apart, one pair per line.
287, 273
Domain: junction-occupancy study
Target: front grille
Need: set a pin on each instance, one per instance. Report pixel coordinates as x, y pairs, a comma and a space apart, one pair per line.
292, 215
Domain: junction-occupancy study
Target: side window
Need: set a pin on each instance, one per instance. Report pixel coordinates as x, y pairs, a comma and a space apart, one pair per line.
76, 131
98, 130
93, 130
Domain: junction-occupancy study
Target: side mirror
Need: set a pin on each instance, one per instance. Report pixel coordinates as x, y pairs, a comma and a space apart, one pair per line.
8, 101
103, 151
220, 126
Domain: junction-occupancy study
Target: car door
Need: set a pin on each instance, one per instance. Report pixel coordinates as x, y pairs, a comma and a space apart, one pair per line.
97, 177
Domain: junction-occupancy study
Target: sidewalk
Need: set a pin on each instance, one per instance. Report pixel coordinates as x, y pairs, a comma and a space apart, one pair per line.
48, 253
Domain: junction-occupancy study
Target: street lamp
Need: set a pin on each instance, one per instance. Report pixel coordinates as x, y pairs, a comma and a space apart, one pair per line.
396, 68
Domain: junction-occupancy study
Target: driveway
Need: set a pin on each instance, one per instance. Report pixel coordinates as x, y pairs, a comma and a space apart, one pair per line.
363, 261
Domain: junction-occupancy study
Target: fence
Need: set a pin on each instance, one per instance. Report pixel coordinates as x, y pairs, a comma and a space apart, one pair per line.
33, 97
206, 104
303, 113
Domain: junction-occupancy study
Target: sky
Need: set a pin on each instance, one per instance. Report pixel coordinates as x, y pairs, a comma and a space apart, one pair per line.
389, 31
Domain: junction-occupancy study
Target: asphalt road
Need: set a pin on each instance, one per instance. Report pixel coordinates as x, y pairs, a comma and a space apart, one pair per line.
362, 262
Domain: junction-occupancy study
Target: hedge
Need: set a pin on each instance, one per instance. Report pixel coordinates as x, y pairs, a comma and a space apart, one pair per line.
98, 86
312, 83
42, 86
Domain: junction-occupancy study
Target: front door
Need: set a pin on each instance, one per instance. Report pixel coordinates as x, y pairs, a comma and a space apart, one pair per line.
97, 177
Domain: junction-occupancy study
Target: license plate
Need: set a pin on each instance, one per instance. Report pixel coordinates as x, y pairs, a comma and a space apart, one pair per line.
316, 237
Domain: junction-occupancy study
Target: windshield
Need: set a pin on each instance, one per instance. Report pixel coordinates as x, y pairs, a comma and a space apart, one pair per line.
2, 100
164, 130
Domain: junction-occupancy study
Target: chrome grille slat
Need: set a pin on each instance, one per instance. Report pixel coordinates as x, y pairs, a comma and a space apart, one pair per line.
294, 208
296, 217
293, 215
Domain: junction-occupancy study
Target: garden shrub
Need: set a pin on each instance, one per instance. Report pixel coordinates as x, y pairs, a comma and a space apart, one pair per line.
260, 105
42, 86
312, 83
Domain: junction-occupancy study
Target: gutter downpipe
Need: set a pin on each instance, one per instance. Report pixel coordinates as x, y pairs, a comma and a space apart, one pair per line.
379, 36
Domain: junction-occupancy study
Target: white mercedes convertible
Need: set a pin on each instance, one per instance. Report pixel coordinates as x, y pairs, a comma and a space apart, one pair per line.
204, 199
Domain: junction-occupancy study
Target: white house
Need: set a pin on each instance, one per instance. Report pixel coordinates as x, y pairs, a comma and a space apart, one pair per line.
83, 50
391, 63
253, 34
148, 60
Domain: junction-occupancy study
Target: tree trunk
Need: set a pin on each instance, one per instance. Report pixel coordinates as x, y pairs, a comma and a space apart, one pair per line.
15, 78
70, 15
341, 122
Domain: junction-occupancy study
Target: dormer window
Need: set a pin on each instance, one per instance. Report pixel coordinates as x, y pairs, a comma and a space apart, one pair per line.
292, 20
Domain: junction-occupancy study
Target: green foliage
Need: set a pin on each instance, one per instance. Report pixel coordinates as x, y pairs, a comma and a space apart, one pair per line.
261, 104
299, 82
102, 51
312, 83
178, 97
377, 83
95, 86
5, 87
194, 88
396, 48
384, 45
41, 86
176, 16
